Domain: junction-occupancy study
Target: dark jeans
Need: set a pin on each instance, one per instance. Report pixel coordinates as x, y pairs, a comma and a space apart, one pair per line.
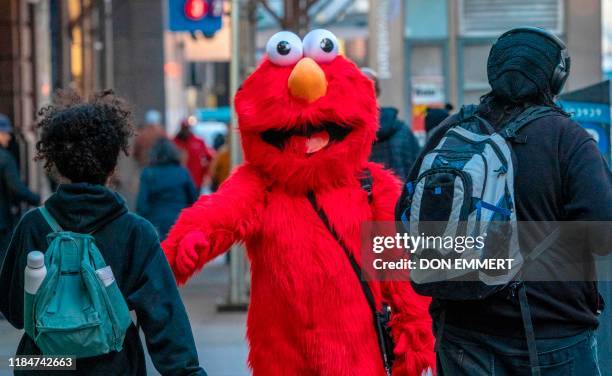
469, 353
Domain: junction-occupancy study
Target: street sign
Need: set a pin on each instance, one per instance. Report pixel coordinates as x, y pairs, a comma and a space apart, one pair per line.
595, 118
195, 15
195, 10
601, 135
587, 112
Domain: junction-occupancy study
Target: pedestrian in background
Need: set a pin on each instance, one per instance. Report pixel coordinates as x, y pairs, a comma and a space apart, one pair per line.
221, 163
433, 118
80, 143
165, 187
146, 135
395, 147
220, 167
219, 141
195, 154
12, 190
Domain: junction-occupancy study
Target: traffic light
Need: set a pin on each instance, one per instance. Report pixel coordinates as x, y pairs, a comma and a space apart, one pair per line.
195, 15
195, 10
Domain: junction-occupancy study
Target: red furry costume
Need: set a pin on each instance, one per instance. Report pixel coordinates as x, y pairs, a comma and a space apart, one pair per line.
308, 314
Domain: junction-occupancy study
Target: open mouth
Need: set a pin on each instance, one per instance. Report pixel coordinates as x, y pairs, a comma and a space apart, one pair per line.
309, 139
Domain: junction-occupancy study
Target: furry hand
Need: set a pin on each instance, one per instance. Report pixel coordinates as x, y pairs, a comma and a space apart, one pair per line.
412, 356
189, 250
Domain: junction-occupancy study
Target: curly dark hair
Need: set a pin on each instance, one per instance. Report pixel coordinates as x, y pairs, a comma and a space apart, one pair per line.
82, 139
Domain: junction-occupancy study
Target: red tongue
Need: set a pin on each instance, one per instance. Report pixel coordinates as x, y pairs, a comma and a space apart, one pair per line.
309, 145
317, 142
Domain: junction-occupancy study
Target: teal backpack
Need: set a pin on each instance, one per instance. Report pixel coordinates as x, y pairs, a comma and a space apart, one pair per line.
78, 309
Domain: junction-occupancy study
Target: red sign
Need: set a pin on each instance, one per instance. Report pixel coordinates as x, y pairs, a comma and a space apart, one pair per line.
195, 10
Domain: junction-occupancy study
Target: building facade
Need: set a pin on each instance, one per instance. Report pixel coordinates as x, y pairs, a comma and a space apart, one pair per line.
84, 45
446, 44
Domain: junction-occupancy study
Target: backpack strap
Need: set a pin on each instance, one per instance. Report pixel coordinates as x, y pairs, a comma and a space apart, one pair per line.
532, 348
471, 112
55, 227
490, 129
510, 132
467, 111
544, 245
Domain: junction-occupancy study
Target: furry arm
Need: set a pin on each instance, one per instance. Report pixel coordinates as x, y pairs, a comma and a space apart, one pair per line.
215, 222
411, 326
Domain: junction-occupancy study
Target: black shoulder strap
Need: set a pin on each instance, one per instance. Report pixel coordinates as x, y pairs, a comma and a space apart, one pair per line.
511, 130
381, 318
386, 352
354, 264
366, 181
532, 348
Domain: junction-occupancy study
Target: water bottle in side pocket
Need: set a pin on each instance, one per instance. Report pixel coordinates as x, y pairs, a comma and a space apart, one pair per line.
34, 275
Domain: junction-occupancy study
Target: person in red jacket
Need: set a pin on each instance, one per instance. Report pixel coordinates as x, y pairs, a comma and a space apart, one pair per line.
307, 119
196, 156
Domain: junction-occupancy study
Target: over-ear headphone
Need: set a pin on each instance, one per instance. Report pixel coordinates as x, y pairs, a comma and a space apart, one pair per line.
561, 72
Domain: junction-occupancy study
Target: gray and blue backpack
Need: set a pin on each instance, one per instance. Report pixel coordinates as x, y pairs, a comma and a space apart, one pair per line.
465, 188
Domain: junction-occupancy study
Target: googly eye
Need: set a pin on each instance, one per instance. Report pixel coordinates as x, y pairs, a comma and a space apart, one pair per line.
321, 45
284, 48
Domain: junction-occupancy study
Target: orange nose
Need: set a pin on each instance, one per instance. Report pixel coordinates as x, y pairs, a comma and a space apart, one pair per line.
307, 80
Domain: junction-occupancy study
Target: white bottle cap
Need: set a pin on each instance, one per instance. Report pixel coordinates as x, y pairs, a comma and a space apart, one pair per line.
36, 259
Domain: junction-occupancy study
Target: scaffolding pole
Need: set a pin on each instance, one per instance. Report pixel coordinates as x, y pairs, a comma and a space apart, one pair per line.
237, 299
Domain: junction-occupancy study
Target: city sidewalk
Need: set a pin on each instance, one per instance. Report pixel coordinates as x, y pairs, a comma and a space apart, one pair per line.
220, 337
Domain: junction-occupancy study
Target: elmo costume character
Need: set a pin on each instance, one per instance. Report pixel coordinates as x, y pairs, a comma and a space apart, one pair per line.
307, 118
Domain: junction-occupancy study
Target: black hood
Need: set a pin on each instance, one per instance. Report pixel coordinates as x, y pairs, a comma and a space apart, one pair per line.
433, 117
388, 124
84, 207
521, 64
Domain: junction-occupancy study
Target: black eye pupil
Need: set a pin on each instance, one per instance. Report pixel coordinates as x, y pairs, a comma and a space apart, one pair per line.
283, 47
327, 45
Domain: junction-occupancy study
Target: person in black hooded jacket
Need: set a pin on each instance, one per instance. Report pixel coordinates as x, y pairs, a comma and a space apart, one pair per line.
560, 176
395, 147
12, 190
81, 143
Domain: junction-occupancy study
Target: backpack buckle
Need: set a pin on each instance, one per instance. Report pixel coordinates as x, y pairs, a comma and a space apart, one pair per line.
511, 135
501, 170
385, 314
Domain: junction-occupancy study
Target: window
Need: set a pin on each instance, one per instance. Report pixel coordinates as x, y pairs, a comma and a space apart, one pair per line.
426, 19
427, 81
492, 17
474, 67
